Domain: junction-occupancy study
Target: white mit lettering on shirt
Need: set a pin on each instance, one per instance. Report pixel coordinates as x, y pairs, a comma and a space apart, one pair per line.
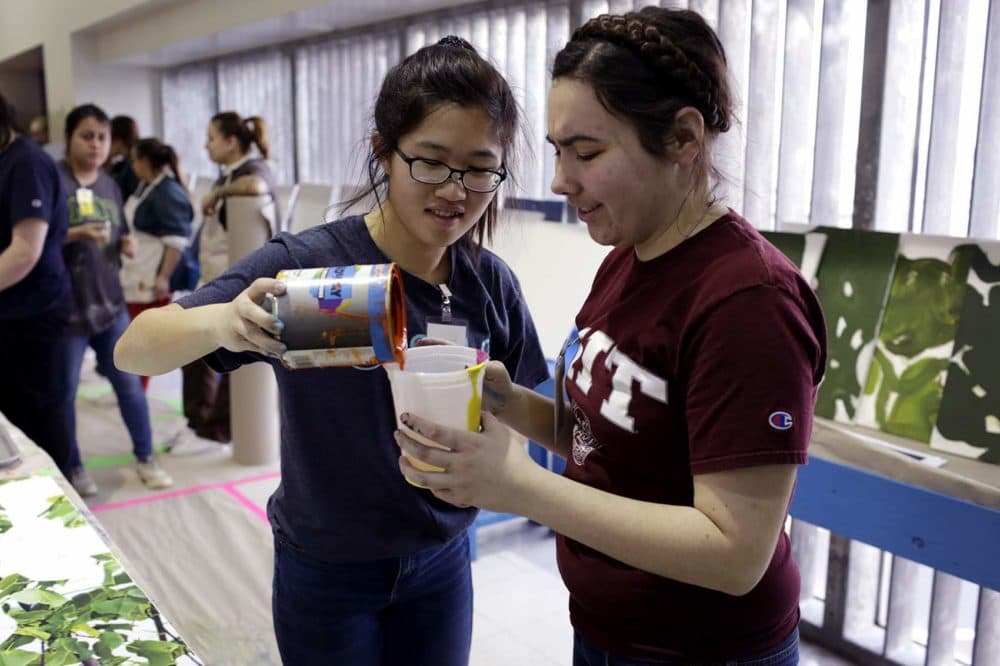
626, 374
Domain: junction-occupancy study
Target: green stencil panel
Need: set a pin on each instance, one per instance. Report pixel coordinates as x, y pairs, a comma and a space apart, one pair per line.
921, 315
792, 245
970, 406
852, 282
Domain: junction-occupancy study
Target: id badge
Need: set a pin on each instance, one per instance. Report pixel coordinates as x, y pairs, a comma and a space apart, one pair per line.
85, 201
453, 330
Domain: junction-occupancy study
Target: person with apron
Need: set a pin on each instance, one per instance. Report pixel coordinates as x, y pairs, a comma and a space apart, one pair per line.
234, 144
159, 217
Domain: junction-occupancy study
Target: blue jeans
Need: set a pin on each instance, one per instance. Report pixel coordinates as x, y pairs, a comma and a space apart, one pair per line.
128, 387
587, 654
414, 610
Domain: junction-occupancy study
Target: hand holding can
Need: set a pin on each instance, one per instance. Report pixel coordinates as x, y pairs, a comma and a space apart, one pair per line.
341, 316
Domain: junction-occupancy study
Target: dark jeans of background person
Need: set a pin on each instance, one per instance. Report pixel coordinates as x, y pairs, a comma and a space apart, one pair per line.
413, 611
588, 654
206, 401
34, 377
128, 388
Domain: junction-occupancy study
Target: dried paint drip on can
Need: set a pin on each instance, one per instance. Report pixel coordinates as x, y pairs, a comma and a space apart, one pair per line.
341, 315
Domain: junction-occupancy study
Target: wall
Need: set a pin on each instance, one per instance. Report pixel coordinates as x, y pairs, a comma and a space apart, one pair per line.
555, 264
83, 40
118, 89
50, 24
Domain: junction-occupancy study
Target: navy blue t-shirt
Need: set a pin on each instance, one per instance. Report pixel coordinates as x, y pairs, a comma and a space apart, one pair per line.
342, 497
30, 188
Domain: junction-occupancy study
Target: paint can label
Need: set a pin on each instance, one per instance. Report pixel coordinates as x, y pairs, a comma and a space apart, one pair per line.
341, 315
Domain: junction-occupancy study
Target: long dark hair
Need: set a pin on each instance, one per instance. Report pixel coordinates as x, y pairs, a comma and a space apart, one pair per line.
448, 72
645, 66
252, 130
159, 155
81, 113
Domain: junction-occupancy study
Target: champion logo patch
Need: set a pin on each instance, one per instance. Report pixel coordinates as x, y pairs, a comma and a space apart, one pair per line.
780, 420
36, 203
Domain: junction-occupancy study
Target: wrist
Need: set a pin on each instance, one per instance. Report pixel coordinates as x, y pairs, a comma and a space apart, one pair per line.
517, 410
528, 489
211, 323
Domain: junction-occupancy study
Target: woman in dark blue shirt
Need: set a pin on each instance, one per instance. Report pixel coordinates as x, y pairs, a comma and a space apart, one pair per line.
369, 569
35, 298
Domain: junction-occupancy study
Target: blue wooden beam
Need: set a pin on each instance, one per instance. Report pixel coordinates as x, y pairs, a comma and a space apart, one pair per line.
948, 534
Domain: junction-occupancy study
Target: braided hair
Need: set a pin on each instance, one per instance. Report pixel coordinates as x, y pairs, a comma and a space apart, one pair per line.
645, 66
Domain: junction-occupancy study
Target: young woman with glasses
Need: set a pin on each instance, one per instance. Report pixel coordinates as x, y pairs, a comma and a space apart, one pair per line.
691, 398
369, 569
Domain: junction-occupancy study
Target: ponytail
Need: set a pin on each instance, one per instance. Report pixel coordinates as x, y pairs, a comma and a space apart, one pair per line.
159, 155
252, 130
257, 128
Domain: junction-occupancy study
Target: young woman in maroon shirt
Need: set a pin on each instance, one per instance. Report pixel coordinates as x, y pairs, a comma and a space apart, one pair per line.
690, 400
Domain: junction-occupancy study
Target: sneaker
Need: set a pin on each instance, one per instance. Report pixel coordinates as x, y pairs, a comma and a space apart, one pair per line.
82, 482
187, 443
153, 475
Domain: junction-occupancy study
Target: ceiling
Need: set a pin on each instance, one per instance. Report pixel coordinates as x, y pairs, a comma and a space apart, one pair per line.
313, 21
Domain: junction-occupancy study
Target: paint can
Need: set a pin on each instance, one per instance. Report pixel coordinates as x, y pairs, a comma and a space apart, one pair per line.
341, 316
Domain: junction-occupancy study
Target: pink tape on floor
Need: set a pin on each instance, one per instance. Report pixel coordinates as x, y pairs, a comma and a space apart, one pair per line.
228, 486
246, 501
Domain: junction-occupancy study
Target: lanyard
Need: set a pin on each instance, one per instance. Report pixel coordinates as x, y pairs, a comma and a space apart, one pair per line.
445, 302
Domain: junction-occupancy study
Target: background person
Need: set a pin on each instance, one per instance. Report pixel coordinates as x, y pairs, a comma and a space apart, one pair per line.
96, 238
35, 296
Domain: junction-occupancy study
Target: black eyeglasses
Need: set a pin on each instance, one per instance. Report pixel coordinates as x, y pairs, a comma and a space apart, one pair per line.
432, 172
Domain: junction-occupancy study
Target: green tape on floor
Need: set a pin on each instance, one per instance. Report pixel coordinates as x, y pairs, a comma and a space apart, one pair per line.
100, 462
91, 392
172, 403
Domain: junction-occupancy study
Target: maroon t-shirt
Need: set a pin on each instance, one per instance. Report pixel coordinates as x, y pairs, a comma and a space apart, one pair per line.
704, 359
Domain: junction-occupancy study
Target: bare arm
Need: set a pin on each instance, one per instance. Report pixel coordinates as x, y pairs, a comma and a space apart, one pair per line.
248, 185
244, 186
92, 231
161, 339
724, 542
533, 415
26, 245
526, 411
